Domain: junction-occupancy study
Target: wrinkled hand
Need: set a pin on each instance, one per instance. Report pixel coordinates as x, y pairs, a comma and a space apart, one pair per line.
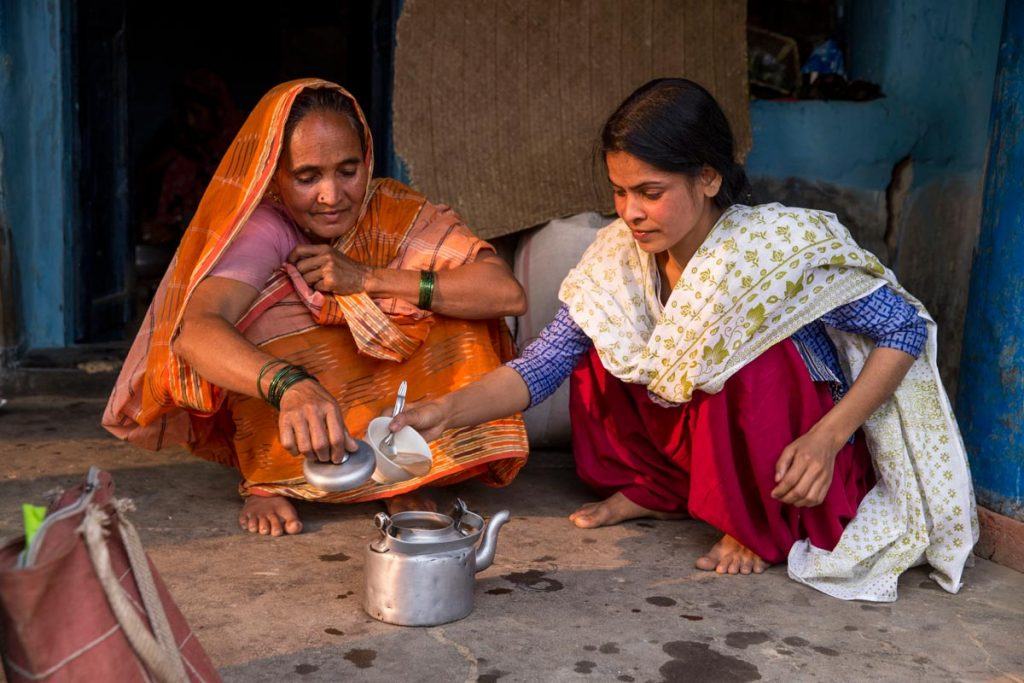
804, 471
328, 270
429, 418
311, 423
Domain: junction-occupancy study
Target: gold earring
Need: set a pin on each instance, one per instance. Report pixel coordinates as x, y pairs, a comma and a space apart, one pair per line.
272, 195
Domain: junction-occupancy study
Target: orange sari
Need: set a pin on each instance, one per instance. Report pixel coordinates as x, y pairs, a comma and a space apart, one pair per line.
358, 348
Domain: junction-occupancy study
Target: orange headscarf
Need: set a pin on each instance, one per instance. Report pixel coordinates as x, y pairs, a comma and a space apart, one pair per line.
154, 381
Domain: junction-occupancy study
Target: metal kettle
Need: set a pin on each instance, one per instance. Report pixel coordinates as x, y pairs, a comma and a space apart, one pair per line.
421, 570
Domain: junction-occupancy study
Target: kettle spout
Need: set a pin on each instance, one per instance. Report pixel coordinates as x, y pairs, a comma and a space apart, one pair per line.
485, 552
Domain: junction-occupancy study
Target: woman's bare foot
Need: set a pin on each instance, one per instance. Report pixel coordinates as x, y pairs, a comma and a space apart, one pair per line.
614, 510
269, 515
420, 501
729, 556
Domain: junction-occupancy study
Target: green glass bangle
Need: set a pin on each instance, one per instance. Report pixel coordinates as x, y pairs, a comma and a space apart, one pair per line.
426, 289
274, 393
263, 370
283, 380
290, 380
272, 390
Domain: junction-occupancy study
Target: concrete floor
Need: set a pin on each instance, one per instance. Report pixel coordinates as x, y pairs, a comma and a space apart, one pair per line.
621, 603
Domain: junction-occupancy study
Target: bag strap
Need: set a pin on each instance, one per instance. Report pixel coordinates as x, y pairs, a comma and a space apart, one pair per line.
147, 586
160, 655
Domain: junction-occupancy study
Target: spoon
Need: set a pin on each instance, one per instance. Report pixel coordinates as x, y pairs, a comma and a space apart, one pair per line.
387, 444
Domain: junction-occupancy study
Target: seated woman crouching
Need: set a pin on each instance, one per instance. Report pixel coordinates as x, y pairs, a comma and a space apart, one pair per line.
299, 268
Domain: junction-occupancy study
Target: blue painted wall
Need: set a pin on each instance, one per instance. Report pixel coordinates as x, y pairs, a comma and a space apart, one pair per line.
992, 396
852, 144
36, 125
935, 62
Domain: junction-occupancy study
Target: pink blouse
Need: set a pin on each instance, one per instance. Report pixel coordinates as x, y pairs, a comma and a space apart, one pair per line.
260, 248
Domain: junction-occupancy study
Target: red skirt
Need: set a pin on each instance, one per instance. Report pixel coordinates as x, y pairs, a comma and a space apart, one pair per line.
715, 456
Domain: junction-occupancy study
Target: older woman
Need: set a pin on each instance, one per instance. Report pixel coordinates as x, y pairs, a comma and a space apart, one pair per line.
302, 294
750, 366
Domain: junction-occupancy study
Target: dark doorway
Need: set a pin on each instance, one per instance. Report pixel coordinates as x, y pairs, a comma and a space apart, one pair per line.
162, 89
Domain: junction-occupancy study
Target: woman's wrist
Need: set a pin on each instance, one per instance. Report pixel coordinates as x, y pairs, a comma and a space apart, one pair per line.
297, 384
394, 283
374, 281
448, 407
284, 379
831, 430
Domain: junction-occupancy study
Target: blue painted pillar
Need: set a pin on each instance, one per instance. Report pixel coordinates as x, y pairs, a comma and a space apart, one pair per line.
991, 399
36, 147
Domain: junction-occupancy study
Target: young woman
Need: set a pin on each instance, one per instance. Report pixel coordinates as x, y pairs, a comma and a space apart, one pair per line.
712, 347
302, 294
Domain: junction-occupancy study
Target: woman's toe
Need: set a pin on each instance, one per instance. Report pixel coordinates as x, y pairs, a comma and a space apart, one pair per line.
583, 520
586, 516
275, 525
705, 563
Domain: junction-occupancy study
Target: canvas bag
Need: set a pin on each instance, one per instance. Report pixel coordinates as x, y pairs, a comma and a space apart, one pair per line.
86, 604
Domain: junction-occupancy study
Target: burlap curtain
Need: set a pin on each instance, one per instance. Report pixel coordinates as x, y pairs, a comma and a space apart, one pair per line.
498, 103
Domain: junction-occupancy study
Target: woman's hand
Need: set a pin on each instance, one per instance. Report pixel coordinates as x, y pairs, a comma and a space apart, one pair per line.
804, 471
430, 418
328, 270
311, 423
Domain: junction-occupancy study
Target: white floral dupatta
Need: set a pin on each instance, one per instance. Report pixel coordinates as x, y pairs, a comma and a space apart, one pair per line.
762, 274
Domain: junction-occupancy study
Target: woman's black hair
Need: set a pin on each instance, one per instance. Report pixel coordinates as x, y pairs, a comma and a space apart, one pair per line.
676, 126
323, 99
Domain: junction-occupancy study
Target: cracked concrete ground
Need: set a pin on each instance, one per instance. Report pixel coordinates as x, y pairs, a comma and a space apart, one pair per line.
622, 603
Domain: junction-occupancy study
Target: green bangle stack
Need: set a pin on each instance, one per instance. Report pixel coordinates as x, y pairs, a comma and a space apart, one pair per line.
426, 289
263, 370
282, 381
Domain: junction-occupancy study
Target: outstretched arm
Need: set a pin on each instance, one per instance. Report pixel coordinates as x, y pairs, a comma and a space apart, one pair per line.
522, 383
499, 393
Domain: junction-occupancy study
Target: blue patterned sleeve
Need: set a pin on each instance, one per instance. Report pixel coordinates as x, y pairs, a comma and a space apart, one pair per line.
886, 318
548, 360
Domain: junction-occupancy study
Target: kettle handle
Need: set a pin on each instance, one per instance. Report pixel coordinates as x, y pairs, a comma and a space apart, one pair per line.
383, 523
485, 551
458, 510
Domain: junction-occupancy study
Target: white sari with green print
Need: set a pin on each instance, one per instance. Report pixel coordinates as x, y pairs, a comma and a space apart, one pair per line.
762, 274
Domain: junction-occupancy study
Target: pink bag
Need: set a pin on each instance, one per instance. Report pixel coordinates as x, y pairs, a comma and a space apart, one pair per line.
85, 603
